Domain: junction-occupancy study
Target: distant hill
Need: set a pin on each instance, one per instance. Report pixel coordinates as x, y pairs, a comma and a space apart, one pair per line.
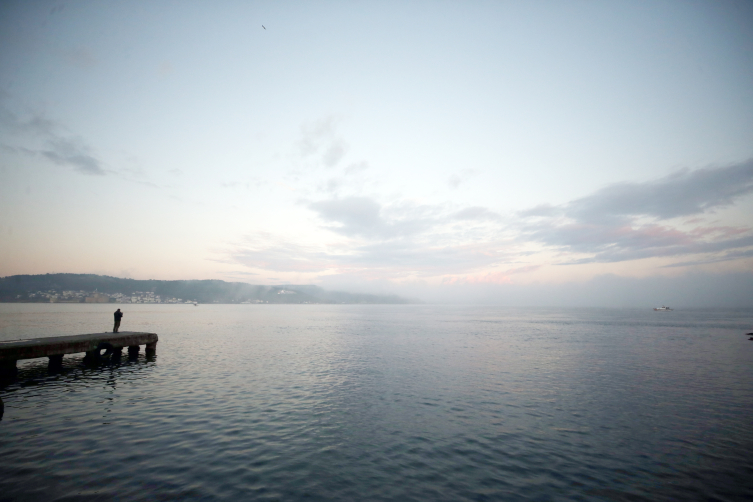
76, 287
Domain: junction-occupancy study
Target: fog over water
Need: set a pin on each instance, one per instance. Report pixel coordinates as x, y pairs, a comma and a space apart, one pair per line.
692, 291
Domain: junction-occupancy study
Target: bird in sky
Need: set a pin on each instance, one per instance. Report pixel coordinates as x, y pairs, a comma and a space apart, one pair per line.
263, 27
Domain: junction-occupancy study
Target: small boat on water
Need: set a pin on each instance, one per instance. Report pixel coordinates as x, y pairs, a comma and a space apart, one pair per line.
662, 309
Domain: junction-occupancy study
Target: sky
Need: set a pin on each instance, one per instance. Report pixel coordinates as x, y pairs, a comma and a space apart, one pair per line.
522, 153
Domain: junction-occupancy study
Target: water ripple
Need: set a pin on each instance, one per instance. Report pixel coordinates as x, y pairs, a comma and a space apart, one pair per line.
386, 403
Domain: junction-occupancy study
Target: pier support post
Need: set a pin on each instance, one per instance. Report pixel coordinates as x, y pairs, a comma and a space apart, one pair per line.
133, 351
117, 353
151, 349
56, 362
91, 357
8, 367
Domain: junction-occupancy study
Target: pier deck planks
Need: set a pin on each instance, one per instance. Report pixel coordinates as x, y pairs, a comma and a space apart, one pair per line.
14, 350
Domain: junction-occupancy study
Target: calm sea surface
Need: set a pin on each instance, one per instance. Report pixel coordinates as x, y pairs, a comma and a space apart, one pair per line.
375, 402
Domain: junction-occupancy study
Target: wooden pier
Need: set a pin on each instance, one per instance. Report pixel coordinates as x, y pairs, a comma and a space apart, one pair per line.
56, 347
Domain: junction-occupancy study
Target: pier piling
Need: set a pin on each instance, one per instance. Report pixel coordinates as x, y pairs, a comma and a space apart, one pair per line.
56, 362
8, 367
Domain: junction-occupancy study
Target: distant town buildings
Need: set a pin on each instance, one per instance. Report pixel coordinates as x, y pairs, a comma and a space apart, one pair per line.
147, 297
67, 296
61, 297
97, 297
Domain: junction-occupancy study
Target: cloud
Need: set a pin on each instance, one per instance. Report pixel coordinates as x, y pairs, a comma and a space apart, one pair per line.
501, 277
68, 152
401, 240
335, 152
331, 185
263, 252
393, 259
36, 124
57, 9
364, 217
354, 215
314, 133
58, 148
660, 242
464, 175
407, 258
319, 136
248, 185
629, 221
541, 210
398, 240
475, 213
237, 273
147, 183
683, 193
735, 255
356, 167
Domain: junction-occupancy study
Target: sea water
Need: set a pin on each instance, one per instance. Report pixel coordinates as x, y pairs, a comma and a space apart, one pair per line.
384, 402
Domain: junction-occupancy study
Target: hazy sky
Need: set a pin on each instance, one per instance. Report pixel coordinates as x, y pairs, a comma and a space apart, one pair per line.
423, 148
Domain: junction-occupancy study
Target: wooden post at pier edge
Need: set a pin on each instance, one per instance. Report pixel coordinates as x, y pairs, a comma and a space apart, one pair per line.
8, 367
56, 362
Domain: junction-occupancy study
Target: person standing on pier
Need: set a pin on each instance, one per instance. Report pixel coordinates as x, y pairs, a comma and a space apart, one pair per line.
118, 316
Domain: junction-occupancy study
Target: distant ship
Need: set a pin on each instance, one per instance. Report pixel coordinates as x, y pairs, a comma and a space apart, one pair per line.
662, 308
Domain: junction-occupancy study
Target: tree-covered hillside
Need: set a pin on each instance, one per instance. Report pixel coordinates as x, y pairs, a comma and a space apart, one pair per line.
41, 288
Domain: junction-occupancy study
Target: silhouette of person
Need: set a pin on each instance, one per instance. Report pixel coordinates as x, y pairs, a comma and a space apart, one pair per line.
118, 316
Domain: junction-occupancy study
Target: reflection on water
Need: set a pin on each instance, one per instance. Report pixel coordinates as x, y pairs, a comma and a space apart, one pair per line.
39, 371
385, 402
